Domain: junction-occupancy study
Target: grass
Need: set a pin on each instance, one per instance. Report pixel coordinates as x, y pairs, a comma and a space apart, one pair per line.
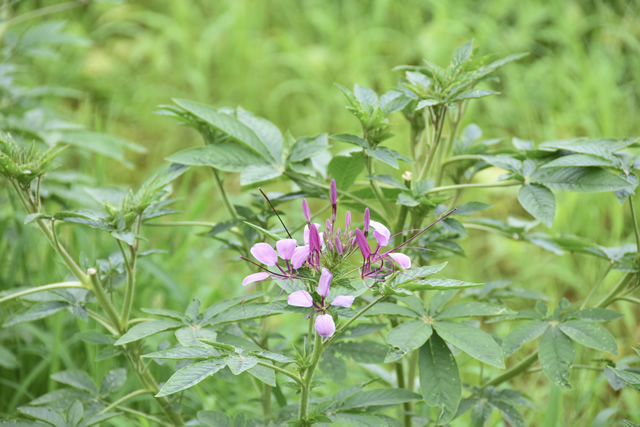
280, 60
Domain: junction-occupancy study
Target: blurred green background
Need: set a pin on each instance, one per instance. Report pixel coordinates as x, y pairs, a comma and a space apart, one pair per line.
279, 59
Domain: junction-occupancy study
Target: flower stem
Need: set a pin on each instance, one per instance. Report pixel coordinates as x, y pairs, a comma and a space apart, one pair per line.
636, 228
281, 370
437, 136
124, 399
306, 380
374, 184
43, 288
223, 194
353, 319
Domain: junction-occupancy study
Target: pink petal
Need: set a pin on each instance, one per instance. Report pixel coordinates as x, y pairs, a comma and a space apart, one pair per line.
334, 192
367, 218
347, 220
324, 284
300, 299
255, 277
363, 244
325, 327
343, 301
264, 253
381, 233
286, 247
305, 210
300, 256
305, 233
401, 259
338, 244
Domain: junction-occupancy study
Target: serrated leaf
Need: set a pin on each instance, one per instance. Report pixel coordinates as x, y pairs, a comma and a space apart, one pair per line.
366, 95
45, 414
471, 308
306, 148
473, 341
184, 353
76, 379
239, 363
523, 334
379, 397
345, 170
539, 201
37, 311
351, 139
474, 94
556, 354
590, 334
581, 180
214, 418
113, 381
258, 173
223, 156
384, 155
596, 315
578, 160
440, 382
437, 285
145, 329
407, 337
190, 375
228, 124
362, 351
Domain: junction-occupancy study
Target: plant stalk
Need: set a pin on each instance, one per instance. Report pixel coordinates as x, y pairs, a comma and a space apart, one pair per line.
306, 380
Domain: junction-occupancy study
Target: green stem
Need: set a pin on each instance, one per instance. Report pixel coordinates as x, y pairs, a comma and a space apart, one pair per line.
461, 157
306, 380
636, 229
629, 299
437, 136
374, 184
43, 288
466, 186
124, 399
104, 322
446, 150
231, 210
104, 301
346, 324
146, 416
182, 224
596, 286
281, 370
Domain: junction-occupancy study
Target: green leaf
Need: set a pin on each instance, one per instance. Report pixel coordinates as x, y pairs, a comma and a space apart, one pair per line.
258, 173
85, 217
556, 354
7, 359
509, 413
523, 334
264, 374
306, 148
351, 139
224, 156
47, 415
539, 201
417, 273
184, 353
471, 208
603, 148
440, 382
596, 315
578, 160
267, 132
145, 329
37, 311
276, 357
388, 179
362, 351
76, 379
192, 335
190, 376
461, 55
630, 378
228, 124
437, 285
407, 337
473, 341
405, 199
345, 169
474, 94
113, 381
239, 363
393, 101
581, 180
428, 103
390, 309
505, 162
590, 334
214, 418
384, 155
471, 308
366, 95
379, 397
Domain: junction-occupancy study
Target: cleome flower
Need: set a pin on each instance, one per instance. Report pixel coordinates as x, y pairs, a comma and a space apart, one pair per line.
325, 326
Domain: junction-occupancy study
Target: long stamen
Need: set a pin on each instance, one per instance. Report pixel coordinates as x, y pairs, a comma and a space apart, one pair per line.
276, 212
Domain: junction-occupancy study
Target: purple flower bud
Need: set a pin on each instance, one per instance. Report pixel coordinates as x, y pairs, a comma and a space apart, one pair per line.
338, 245
305, 210
329, 228
347, 220
334, 193
314, 238
363, 244
286, 247
401, 259
300, 299
255, 277
367, 219
300, 255
343, 301
264, 253
325, 327
324, 283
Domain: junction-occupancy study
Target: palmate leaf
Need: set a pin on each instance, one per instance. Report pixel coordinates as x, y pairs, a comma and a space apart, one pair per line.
145, 329
190, 375
380, 397
440, 382
224, 156
581, 180
472, 308
539, 201
407, 337
238, 363
522, 335
556, 354
76, 379
362, 351
473, 341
